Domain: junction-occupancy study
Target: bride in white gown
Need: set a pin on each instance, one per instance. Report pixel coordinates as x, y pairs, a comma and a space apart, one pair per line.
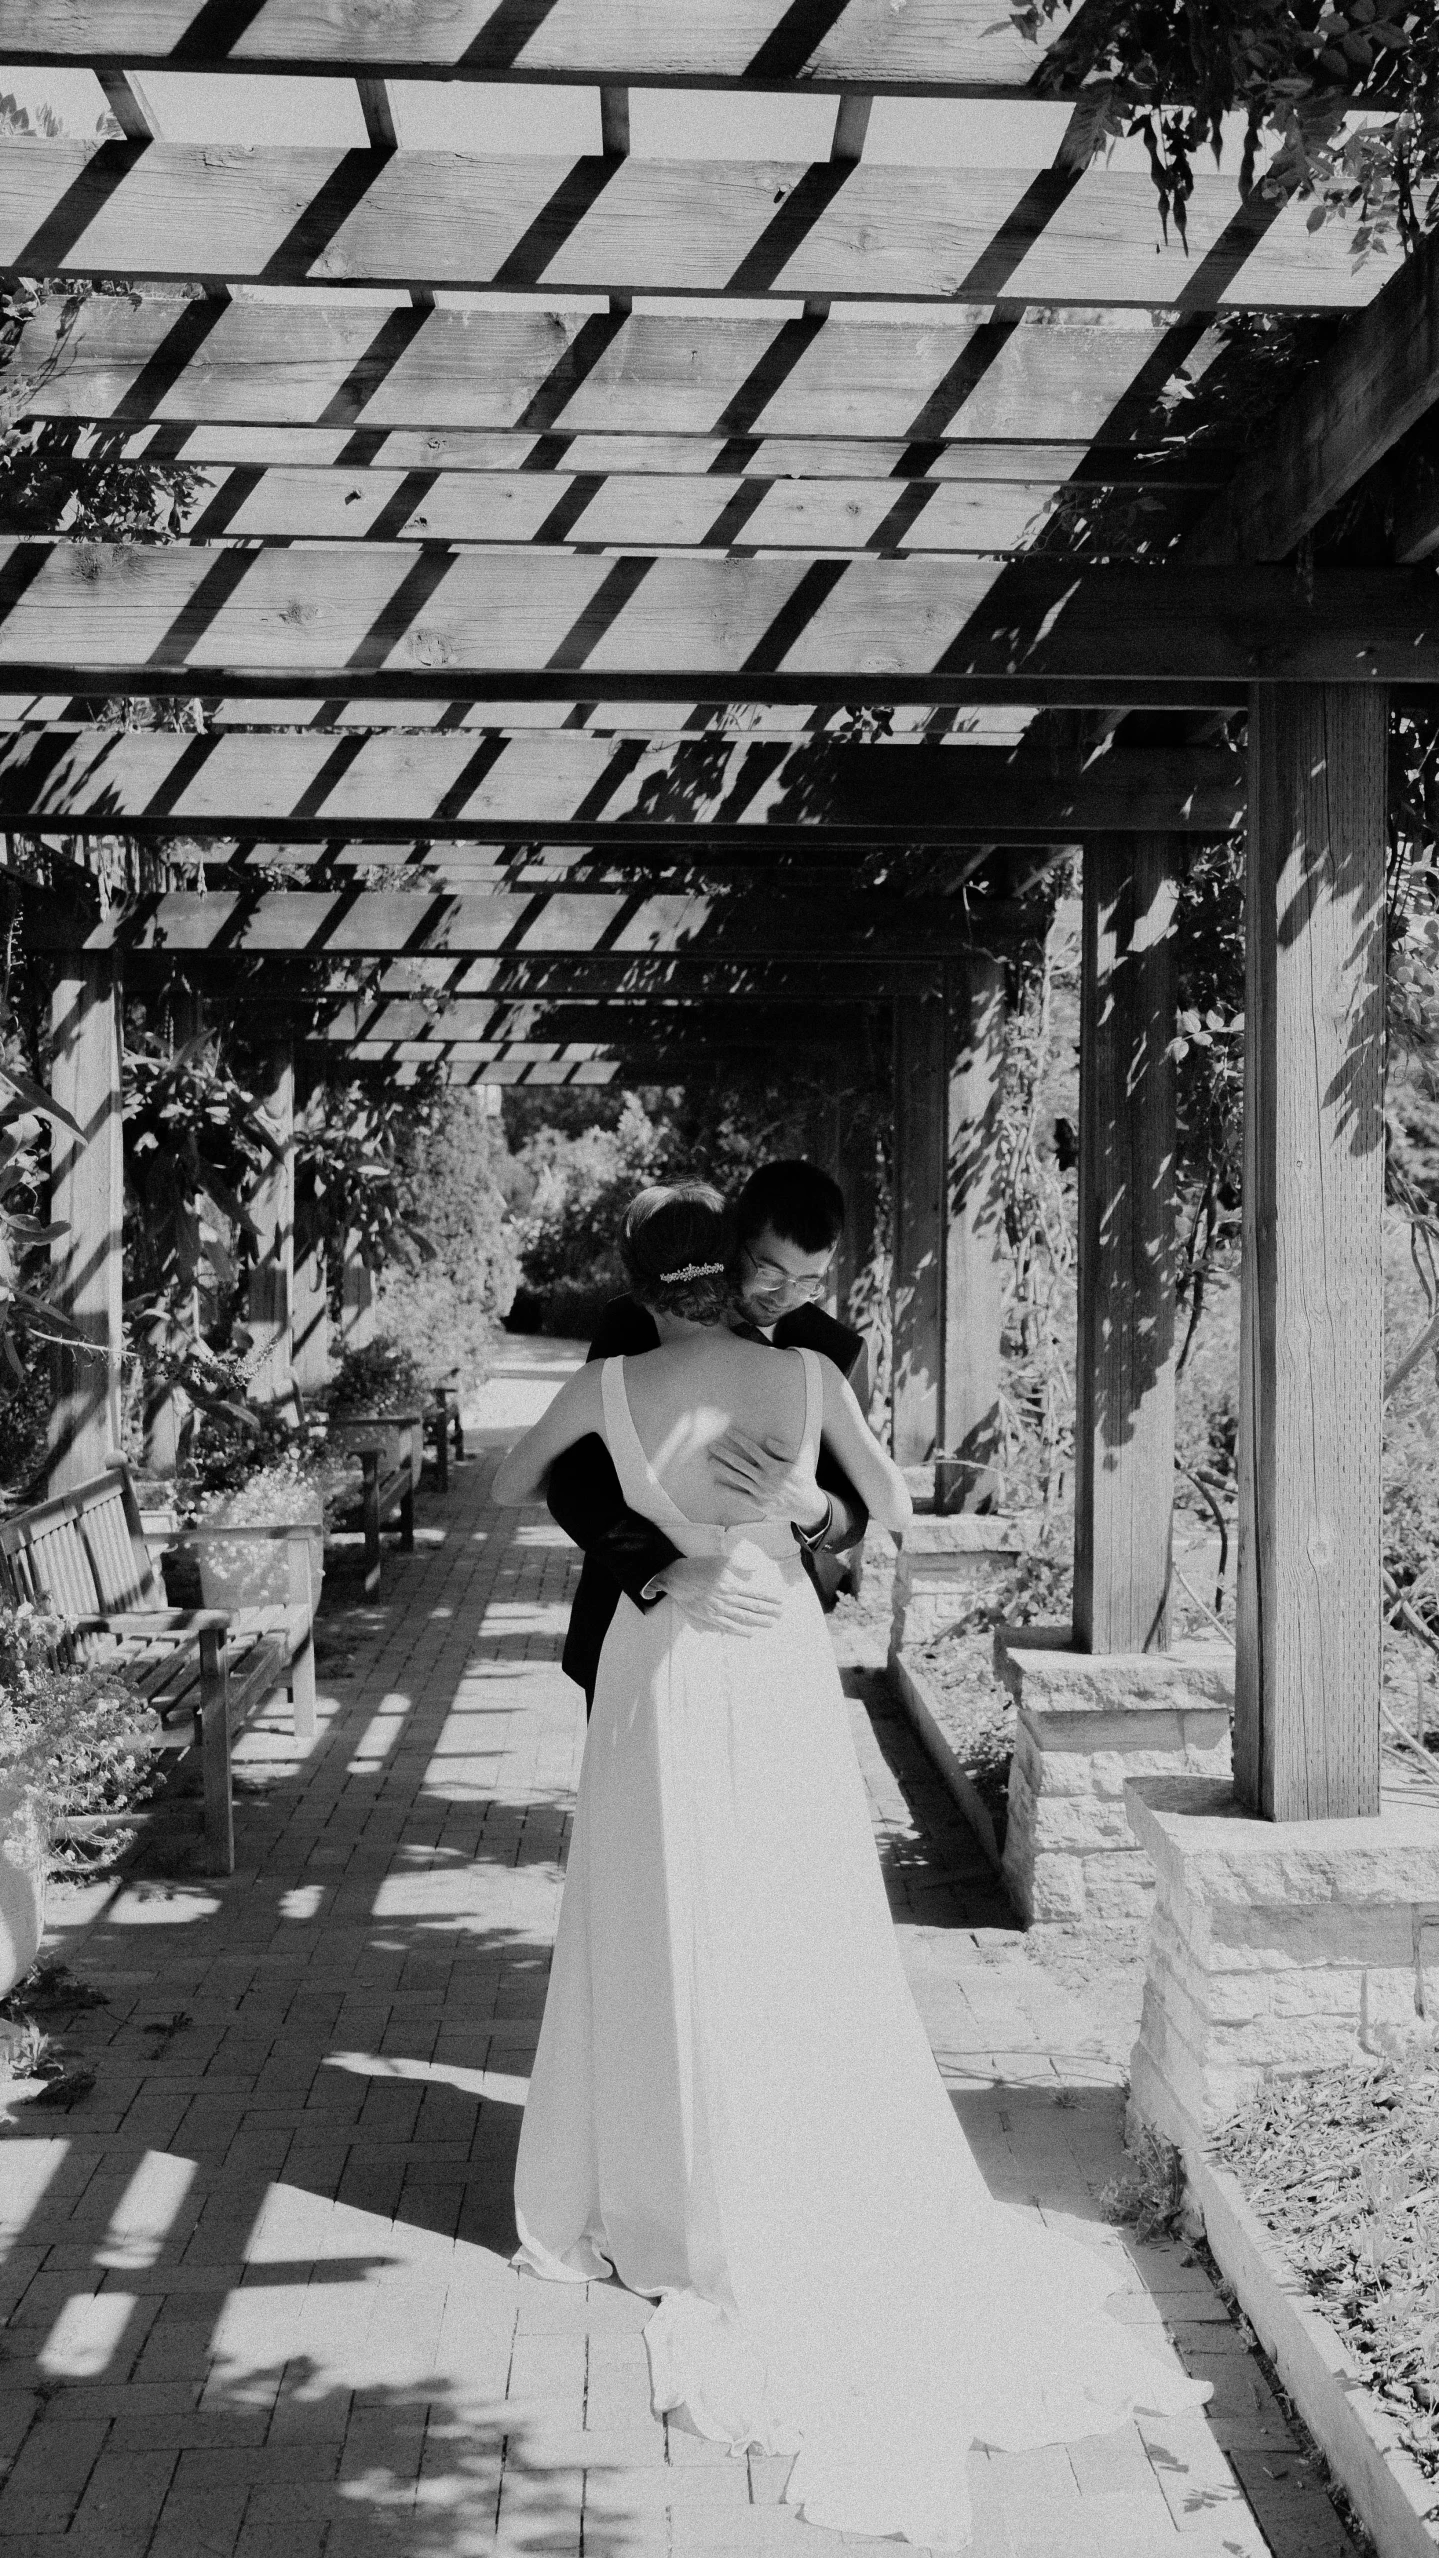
734, 2106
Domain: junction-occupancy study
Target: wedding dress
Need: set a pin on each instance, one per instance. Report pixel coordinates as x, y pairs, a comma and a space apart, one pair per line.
734, 2106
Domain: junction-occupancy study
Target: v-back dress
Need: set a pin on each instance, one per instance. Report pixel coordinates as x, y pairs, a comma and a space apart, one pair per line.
734, 2106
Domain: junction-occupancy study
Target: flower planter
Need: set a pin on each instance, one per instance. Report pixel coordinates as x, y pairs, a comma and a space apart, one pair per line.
243, 1572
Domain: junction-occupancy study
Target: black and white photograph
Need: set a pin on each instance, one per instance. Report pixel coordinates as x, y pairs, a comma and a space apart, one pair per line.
719, 1278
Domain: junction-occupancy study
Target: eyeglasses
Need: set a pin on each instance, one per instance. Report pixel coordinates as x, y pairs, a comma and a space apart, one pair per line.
771, 1278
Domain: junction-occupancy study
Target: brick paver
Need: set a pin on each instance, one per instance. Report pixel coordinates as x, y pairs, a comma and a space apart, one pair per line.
254, 2289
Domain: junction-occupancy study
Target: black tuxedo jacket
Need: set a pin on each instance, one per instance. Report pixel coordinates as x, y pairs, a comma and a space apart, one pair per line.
622, 1549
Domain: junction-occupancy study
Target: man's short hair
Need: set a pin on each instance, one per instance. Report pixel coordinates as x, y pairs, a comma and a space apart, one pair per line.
799, 1201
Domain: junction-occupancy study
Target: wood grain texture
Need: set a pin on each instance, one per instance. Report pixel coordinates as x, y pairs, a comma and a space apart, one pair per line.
270, 1288
1374, 385
86, 1201
373, 922
622, 511
448, 373
550, 457
945, 46
1124, 1401
973, 1269
1311, 1378
99, 617
446, 221
310, 790
918, 1190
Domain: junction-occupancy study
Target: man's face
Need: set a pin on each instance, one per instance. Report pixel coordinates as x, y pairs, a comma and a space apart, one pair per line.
777, 1275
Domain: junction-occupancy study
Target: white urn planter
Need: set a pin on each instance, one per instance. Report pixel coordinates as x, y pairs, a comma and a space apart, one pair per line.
22, 1894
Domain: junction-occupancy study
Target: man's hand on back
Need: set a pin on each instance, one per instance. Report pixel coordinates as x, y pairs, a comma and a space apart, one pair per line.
715, 1594
779, 1484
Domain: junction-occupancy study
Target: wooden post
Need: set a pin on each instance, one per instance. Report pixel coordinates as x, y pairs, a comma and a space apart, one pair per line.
311, 1353
1124, 1404
272, 1274
86, 1198
1309, 1630
357, 1303
823, 1149
973, 1235
917, 1281
167, 1406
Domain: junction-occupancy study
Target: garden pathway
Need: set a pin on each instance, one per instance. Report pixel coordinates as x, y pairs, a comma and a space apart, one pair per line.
256, 2300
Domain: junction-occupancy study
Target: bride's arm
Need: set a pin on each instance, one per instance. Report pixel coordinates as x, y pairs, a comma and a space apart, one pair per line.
875, 1476
577, 1410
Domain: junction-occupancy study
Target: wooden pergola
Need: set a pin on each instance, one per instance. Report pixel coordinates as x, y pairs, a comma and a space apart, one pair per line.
688, 578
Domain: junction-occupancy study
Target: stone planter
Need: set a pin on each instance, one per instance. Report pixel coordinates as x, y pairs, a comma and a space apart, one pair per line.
1276, 1945
940, 1562
926, 1712
22, 1898
1087, 1722
1358, 2438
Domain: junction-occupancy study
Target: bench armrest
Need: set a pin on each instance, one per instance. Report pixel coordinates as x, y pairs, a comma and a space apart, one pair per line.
171, 1621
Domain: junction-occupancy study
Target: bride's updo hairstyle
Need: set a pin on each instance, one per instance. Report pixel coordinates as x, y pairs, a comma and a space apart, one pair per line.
678, 1252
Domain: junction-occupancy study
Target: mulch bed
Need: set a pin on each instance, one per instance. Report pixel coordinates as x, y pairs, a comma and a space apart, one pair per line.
1343, 2166
977, 1714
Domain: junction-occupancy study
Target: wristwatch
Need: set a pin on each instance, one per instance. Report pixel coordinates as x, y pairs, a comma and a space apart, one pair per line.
813, 1538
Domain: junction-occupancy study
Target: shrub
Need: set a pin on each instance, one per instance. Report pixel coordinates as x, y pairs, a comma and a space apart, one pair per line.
384, 1376
71, 1741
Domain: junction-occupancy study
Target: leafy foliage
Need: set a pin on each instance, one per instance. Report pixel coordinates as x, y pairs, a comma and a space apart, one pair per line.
71, 1740
1170, 71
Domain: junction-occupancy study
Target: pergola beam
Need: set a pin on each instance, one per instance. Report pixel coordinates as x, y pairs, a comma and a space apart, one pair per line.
293, 792
453, 376
373, 923
112, 618
933, 47
621, 511
323, 216
1380, 378
366, 459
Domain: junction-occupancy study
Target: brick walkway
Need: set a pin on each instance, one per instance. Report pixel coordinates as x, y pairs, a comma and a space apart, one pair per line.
254, 2288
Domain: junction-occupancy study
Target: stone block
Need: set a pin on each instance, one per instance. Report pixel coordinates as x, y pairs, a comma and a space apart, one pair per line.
1085, 1725
939, 1564
1291, 1946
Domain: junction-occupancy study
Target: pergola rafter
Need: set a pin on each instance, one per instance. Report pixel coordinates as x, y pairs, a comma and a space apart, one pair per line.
162, 620
497, 787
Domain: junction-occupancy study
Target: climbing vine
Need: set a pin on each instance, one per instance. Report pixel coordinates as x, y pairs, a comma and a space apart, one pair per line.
1342, 95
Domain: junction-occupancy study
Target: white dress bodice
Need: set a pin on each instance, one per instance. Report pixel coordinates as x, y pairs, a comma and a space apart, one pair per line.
644, 1491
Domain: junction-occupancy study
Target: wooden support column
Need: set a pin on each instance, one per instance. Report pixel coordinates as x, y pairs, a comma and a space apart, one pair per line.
973, 1235
87, 1199
1124, 1403
918, 1200
1309, 1632
357, 1303
311, 1320
272, 1274
167, 1406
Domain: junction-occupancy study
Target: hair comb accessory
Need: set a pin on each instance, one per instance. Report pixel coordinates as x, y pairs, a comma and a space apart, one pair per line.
692, 1270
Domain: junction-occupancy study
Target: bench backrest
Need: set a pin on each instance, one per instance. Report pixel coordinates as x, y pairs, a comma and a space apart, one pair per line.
82, 1553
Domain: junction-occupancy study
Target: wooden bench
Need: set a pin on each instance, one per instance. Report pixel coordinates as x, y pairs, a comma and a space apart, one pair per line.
84, 1558
390, 1447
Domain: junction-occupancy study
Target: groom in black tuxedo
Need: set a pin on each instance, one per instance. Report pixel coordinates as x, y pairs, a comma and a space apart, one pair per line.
788, 1220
